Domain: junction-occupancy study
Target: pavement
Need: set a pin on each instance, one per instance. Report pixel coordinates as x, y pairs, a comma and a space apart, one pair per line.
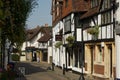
42, 71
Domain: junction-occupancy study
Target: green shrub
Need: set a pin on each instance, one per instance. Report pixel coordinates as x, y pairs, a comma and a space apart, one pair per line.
7, 75
15, 57
3, 75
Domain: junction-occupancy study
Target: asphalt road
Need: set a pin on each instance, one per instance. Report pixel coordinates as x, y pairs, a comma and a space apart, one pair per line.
37, 71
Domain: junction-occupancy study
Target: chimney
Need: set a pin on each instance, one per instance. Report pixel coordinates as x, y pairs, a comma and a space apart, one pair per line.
46, 25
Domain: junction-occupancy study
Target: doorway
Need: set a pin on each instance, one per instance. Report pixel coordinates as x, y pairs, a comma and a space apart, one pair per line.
110, 60
34, 56
92, 54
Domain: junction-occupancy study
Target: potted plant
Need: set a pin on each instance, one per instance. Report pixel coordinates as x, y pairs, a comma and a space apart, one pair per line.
58, 44
70, 40
94, 31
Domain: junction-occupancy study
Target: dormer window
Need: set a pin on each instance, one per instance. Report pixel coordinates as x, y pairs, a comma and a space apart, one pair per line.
94, 3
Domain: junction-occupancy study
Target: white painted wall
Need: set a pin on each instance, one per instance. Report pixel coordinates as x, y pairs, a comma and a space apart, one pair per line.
33, 42
57, 53
79, 37
23, 46
117, 44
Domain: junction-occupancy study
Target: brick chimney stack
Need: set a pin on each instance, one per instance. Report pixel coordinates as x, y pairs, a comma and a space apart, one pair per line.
46, 25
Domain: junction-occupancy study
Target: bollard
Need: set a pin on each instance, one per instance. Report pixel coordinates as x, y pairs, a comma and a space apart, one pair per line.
52, 66
63, 69
82, 75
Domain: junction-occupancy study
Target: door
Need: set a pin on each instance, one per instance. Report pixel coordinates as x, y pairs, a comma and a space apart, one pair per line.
110, 60
92, 54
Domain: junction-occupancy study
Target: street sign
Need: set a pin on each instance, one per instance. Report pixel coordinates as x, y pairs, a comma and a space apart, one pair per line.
58, 37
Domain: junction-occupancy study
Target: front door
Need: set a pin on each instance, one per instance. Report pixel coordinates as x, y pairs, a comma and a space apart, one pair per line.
110, 60
92, 54
70, 57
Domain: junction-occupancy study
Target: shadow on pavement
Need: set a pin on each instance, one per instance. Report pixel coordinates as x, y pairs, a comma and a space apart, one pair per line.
27, 68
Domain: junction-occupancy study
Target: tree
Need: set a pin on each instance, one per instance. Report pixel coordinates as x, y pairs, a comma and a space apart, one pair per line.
14, 14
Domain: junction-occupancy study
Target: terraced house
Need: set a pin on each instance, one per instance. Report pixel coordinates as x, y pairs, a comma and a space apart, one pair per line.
38, 44
98, 36
90, 26
66, 15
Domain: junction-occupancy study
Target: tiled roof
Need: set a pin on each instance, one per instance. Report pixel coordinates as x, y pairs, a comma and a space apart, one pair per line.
90, 12
80, 5
31, 33
46, 30
45, 38
47, 34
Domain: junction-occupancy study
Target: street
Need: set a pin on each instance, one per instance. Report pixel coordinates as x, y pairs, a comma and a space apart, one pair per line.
38, 71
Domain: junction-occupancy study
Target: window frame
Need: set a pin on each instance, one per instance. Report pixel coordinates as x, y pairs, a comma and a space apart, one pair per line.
94, 3
67, 24
100, 54
66, 3
106, 4
106, 17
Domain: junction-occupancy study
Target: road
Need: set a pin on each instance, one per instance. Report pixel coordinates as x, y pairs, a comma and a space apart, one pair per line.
38, 71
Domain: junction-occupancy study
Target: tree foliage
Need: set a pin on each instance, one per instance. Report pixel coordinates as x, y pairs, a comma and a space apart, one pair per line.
13, 15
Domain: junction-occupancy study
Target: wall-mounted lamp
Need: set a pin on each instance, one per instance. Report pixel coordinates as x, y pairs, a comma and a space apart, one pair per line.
102, 44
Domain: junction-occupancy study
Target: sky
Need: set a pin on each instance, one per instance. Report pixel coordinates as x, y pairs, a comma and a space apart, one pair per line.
40, 14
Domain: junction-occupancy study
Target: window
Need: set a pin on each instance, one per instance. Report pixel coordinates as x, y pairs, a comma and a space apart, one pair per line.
58, 10
86, 23
105, 17
43, 44
100, 54
94, 3
106, 4
67, 25
50, 43
66, 3
77, 20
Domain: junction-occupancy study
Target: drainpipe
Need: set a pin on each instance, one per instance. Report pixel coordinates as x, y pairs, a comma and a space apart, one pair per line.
52, 51
82, 60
